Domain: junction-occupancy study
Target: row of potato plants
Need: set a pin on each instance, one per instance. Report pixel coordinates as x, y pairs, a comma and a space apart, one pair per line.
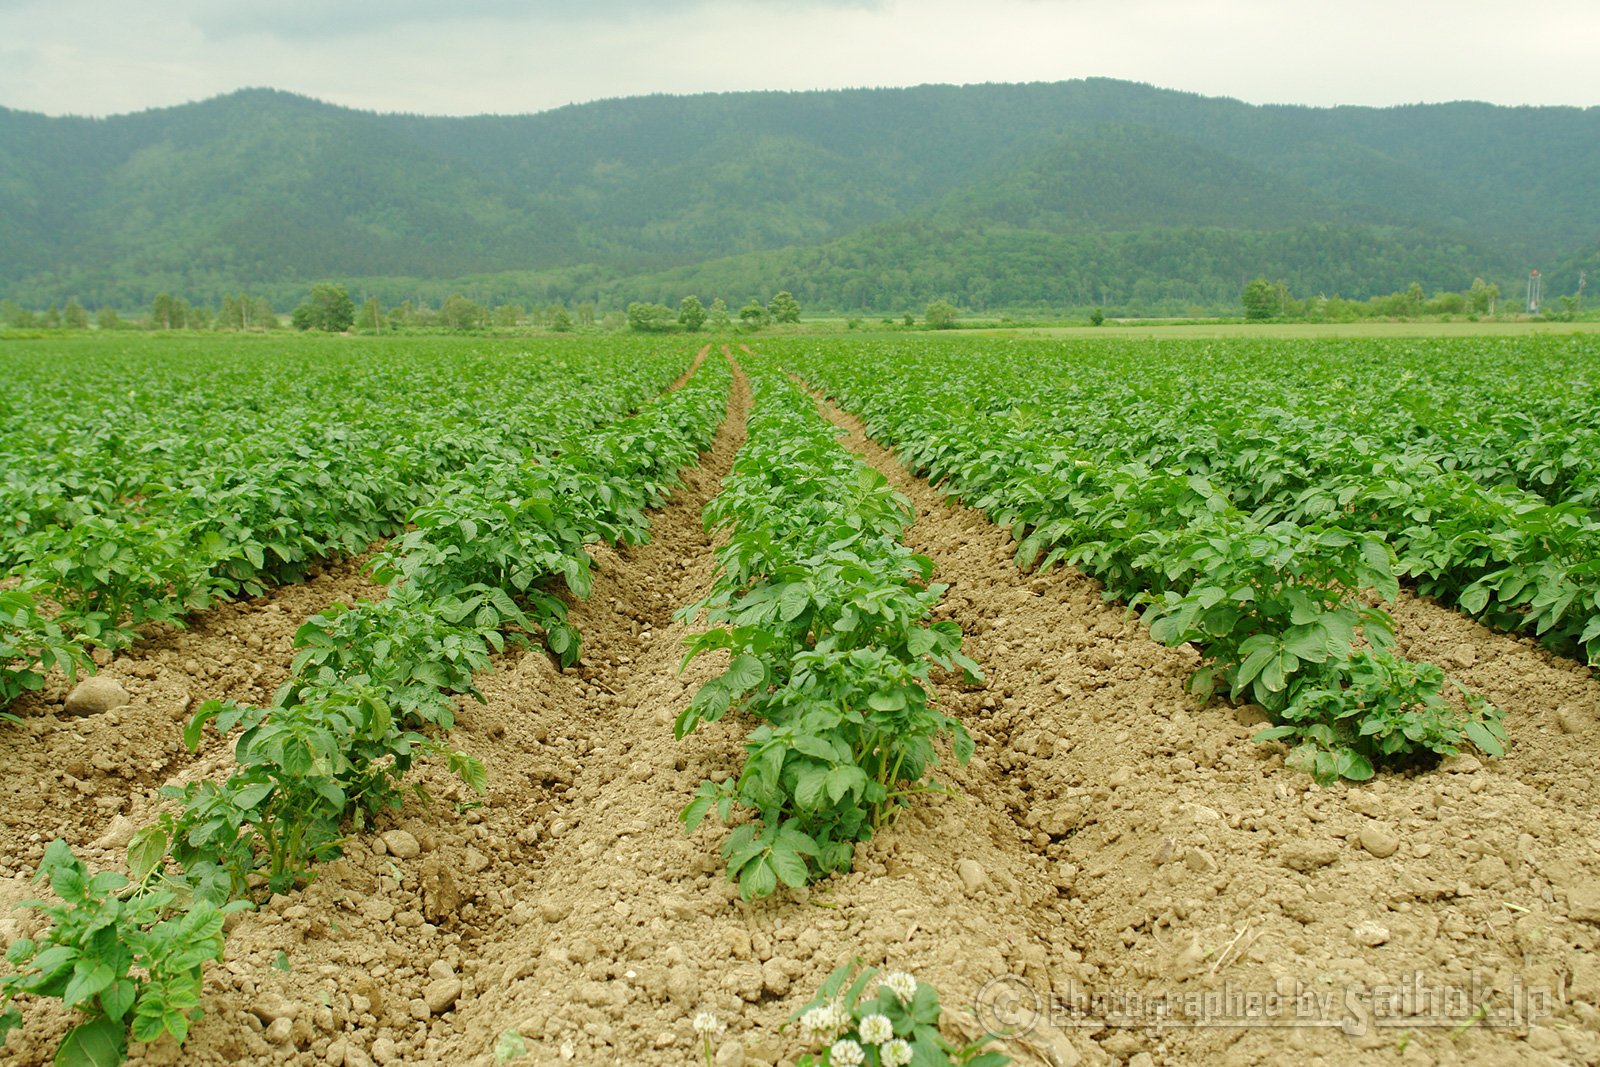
372, 692
482, 564
1380, 452
1275, 606
156, 481
1470, 456
823, 614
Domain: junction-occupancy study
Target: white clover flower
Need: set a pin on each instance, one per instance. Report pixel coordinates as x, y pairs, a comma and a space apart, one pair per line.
896, 1053
825, 1022
875, 1029
901, 985
707, 1025
847, 1053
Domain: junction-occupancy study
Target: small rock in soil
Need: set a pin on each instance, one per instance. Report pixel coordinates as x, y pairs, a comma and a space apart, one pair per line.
1379, 841
401, 844
1489, 871
270, 1007
1583, 902
95, 695
972, 876
681, 986
441, 898
730, 1054
1370, 934
441, 994
1572, 720
676, 908
1309, 855
379, 910
118, 833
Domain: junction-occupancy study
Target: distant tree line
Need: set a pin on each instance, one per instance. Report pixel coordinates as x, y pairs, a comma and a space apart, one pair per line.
1265, 301
693, 316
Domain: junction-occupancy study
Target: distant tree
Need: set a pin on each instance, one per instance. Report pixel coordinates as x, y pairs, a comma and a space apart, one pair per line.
558, 318
1414, 299
73, 317
231, 317
691, 315
161, 312
263, 318
1096, 317
52, 317
1478, 296
585, 314
16, 316
614, 320
784, 307
753, 315
508, 315
720, 320
401, 316
106, 319
371, 317
910, 320
941, 315
1260, 299
460, 313
1446, 304
650, 318
199, 317
327, 308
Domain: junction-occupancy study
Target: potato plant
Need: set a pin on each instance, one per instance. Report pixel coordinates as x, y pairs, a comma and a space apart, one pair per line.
822, 611
129, 959
31, 644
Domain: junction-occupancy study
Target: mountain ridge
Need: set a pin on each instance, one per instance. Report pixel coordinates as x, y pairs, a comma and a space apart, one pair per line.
269, 191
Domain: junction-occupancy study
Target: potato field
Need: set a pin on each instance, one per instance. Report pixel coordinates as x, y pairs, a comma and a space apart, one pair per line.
616, 701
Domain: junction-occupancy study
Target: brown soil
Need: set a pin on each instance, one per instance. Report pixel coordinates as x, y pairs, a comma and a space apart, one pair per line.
1110, 835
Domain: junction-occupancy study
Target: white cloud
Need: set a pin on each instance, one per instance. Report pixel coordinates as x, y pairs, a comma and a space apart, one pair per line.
108, 56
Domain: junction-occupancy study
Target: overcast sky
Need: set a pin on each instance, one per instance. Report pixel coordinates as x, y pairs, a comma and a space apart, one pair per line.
458, 57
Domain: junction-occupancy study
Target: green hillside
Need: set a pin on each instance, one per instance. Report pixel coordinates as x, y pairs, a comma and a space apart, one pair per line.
990, 195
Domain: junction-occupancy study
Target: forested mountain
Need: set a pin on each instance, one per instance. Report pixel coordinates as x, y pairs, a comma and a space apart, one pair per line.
1045, 195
